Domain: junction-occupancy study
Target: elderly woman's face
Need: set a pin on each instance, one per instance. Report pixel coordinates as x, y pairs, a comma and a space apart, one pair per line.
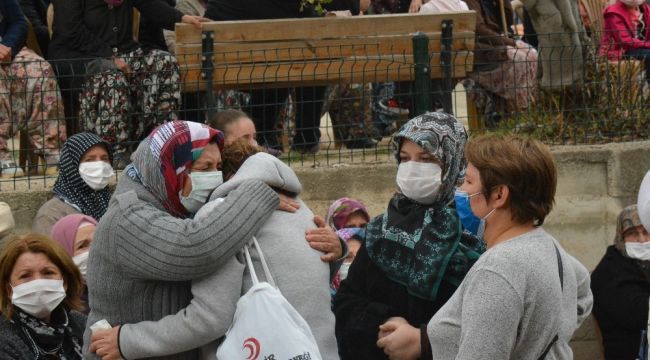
637, 234
95, 153
83, 239
33, 266
210, 160
411, 151
356, 220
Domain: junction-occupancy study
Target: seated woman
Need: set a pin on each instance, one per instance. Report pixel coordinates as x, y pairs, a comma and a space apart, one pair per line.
29, 95
39, 299
95, 52
621, 286
282, 238
81, 187
75, 233
349, 217
525, 296
414, 255
505, 70
626, 32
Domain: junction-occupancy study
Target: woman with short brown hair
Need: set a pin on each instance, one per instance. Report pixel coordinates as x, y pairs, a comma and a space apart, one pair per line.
525, 296
40, 289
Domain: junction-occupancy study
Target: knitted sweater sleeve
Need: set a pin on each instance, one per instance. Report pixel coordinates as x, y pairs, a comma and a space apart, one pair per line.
153, 245
206, 318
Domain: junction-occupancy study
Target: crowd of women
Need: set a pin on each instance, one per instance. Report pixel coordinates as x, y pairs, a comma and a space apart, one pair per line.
88, 71
458, 266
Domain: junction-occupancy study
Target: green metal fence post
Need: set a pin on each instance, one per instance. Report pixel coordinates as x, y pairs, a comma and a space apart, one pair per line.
422, 70
446, 62
207, 68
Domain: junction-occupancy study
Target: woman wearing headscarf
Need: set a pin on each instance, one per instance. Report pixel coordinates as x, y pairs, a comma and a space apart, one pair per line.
349, 218
82, 184
147, 248
347, 213
75, 234
526, 296
621, 287
416, 253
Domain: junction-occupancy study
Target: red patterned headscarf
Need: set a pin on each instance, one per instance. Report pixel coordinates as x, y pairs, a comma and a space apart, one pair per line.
341, 209
162, 160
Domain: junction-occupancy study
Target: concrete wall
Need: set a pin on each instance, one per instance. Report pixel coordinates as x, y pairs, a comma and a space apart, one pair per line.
595, 183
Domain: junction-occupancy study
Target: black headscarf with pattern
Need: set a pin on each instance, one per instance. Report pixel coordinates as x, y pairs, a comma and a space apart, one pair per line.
70, 187
420, 246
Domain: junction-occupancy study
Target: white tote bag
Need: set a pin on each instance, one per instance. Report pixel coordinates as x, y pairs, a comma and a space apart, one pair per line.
266, 326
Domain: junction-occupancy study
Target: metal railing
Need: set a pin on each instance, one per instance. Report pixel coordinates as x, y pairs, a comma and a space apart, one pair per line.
336, 120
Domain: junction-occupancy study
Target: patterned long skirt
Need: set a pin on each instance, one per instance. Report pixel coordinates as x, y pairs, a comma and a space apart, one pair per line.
121, 107
30, 100
350, 108
514, 81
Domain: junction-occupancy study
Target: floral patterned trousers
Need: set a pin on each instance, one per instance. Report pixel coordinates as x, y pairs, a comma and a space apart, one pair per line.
30, 100
120, 107
350, 108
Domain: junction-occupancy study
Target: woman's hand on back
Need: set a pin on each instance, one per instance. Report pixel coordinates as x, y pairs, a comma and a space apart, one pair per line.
324, 239
194, 20
105, 343
288, 204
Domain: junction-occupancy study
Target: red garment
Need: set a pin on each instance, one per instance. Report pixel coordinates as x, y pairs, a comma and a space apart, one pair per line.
619, 31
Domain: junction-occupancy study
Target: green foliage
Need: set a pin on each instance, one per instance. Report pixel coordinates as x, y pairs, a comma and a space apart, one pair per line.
317, 5
610, 106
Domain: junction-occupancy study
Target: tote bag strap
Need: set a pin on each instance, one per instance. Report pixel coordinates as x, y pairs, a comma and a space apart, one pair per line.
251, 268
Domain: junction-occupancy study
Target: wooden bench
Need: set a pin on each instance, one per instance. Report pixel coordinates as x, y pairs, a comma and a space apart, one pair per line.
332, 50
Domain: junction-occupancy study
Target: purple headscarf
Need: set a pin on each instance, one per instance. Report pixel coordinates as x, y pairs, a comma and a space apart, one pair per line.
65, 230
341, 209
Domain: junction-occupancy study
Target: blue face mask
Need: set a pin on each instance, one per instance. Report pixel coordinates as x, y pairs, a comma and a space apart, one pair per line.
472, 223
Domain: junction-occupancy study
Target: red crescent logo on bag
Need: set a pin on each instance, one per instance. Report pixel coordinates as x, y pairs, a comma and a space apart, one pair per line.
253, 347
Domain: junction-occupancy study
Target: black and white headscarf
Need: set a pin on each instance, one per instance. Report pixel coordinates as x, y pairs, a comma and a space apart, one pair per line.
70, 187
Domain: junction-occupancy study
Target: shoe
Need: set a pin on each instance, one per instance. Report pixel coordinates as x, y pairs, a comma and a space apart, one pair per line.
392, 106
306, 148
9, 169
363, 143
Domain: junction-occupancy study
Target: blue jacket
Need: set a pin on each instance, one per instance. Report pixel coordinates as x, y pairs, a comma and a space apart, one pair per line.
13, 26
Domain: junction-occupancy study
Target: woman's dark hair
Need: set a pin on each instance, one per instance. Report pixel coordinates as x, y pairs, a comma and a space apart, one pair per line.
235, 154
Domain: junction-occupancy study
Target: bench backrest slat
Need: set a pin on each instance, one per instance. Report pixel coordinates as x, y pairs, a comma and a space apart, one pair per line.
297, 52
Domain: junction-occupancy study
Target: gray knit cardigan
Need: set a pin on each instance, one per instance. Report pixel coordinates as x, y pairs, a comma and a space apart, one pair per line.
142, 259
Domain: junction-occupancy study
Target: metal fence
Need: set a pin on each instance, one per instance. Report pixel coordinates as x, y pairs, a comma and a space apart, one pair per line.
340, 106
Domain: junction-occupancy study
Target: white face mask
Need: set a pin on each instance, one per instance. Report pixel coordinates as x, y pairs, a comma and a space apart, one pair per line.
633, 3
637, 250
203, 183
419, 181
96, 173
38, 297
81, 261
343, 271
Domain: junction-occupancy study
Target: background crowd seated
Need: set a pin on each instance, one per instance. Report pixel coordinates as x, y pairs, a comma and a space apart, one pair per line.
93, 97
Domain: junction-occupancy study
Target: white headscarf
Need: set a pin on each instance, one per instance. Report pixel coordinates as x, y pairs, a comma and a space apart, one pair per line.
643, 201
